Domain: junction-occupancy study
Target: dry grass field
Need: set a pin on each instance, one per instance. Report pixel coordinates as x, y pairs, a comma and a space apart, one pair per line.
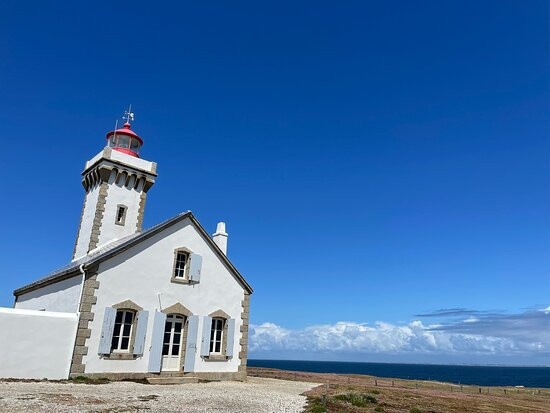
360, 393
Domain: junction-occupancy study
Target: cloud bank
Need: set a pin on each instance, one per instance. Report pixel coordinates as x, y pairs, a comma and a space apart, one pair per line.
461, 334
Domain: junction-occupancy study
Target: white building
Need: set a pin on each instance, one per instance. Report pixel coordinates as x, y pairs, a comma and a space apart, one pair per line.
132, 302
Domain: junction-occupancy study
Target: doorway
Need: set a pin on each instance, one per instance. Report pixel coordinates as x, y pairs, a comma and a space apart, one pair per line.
171, 346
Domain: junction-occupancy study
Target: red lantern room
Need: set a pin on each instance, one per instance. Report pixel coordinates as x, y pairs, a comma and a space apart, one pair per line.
125, 140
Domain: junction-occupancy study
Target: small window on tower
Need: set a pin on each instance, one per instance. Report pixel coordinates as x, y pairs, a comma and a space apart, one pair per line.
120, 214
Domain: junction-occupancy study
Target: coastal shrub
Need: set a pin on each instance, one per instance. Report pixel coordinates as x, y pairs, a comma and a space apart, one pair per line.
369, 398
317, 408
316, 405
342, 397
415, 410
374, 391
357, 400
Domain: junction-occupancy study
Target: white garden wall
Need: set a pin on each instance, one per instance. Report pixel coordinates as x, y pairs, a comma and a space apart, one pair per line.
36, 344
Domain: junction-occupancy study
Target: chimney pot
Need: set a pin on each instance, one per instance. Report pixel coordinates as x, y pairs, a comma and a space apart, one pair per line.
220, 237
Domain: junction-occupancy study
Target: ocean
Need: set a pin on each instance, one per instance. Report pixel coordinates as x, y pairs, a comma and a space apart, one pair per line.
476, 375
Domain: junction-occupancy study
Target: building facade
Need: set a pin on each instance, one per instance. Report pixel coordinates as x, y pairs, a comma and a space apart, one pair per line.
161, 301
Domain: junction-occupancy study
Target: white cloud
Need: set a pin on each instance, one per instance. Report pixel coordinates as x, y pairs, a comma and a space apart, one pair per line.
484, 334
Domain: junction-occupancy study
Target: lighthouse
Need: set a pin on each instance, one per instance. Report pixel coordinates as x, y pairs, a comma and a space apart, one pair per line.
116, 182
132, 302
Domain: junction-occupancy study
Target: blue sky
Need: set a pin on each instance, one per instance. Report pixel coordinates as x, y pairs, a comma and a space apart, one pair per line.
375, 162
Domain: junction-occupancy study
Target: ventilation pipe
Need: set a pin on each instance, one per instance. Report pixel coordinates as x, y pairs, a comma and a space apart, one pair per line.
220, 237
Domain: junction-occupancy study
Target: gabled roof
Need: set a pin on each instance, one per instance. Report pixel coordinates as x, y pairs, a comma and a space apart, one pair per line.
123, 244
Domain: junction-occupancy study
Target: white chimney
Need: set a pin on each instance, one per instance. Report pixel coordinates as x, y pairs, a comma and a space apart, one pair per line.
220, 237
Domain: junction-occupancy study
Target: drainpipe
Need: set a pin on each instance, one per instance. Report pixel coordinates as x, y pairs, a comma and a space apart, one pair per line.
160, 303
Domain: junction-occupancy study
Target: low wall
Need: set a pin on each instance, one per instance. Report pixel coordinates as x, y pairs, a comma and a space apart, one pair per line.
36, 344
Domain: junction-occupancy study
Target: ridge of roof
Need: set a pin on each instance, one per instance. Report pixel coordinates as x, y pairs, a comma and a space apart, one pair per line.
118, 246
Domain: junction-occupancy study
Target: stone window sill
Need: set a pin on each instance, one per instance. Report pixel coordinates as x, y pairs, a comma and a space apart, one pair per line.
216, 358
181, 280
120, 356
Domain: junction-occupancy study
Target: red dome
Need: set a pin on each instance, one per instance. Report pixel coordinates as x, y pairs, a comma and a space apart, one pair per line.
125, 140
125, 131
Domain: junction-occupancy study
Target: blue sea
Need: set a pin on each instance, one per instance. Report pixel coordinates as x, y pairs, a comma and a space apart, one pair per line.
478, 375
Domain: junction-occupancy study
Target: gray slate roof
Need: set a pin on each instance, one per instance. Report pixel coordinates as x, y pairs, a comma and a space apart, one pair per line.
118, 246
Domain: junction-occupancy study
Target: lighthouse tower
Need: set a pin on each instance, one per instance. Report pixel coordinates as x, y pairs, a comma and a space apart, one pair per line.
116, 182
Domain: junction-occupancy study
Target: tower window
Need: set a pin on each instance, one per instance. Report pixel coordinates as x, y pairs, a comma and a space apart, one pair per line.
120, 214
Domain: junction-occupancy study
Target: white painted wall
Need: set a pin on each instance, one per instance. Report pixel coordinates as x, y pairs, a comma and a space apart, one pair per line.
62, 296
83, 240
143, 273
36, 344
117, 194
109, 153
133, 161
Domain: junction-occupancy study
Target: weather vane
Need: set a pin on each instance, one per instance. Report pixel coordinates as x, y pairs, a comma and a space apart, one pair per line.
128, 115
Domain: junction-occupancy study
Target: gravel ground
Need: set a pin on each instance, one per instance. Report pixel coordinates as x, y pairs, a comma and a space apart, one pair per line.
254, 396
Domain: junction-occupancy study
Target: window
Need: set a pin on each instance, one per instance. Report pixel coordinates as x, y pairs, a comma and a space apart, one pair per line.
180, 265
134, 145
123, 331
216, 335
112, 141
123, 141
120, 214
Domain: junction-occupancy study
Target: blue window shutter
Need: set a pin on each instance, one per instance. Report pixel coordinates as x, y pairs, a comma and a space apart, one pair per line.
195, 265
157, 336
141, 329
191, 350
206, 329
230, 337
107, 330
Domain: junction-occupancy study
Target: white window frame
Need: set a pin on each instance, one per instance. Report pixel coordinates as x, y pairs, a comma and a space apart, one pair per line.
218, 325
120, 336
180, 273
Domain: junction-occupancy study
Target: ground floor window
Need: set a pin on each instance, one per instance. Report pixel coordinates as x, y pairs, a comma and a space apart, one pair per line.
123, 330
216, 335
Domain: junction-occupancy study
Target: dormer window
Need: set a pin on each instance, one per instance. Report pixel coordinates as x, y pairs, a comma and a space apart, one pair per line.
181, 264
120, 217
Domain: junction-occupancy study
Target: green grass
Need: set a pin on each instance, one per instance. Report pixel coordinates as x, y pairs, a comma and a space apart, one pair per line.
415, 410
88, 380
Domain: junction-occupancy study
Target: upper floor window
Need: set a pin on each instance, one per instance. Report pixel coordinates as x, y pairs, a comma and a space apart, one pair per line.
216, 335
122, 332
120, 217
181, 264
